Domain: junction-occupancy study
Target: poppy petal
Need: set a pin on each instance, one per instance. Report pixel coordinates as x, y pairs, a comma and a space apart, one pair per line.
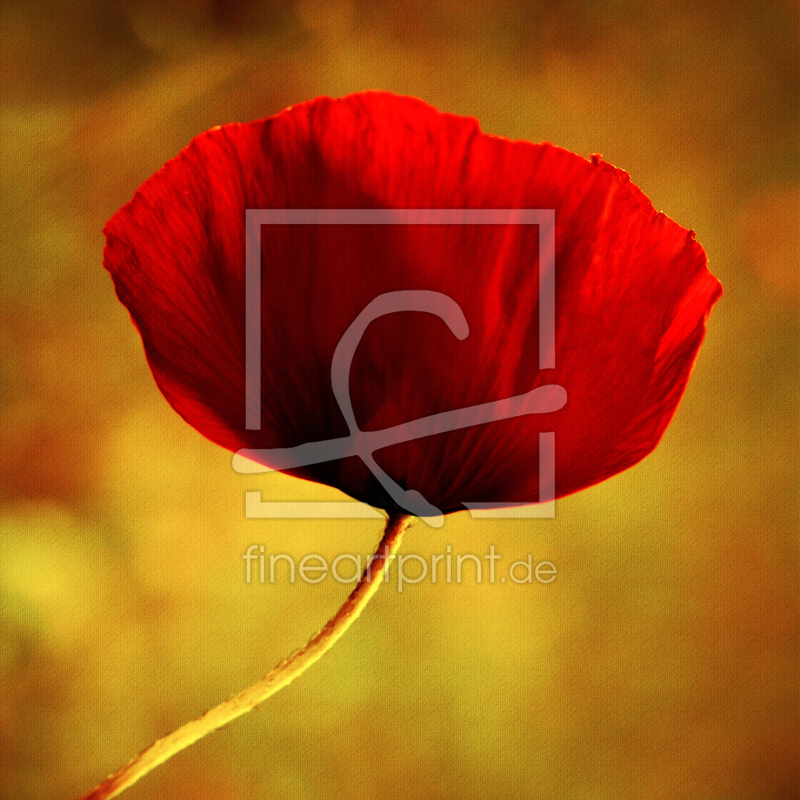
633, 293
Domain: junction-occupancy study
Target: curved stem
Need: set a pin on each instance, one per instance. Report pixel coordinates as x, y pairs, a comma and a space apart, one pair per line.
283, 674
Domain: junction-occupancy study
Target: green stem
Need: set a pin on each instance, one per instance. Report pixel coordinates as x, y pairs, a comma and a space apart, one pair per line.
283, 674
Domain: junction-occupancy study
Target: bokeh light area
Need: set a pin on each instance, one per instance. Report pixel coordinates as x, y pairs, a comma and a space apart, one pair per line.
663, 660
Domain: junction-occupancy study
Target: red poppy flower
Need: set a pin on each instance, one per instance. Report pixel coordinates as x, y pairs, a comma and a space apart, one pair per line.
632, 294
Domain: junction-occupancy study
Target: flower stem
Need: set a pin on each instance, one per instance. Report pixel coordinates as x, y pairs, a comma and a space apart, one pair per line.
283, 674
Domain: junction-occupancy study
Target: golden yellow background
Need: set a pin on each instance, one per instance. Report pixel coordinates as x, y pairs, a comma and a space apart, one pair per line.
662, 662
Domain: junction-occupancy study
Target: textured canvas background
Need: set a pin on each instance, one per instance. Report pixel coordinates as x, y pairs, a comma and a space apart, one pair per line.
662, 662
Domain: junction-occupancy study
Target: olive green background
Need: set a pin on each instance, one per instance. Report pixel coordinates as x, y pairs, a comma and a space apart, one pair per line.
663, 660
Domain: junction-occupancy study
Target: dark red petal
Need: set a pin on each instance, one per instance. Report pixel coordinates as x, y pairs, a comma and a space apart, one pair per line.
632, 296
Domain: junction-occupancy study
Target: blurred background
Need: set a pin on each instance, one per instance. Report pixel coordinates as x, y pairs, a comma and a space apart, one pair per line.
663, 660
